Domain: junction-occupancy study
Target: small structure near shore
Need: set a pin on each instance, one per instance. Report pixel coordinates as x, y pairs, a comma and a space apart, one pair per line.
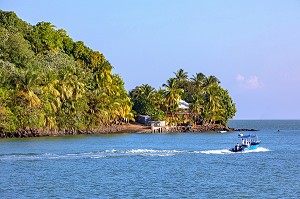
158, 126
144, 119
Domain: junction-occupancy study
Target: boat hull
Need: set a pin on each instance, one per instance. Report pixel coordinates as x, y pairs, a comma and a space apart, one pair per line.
241, 148
254, 146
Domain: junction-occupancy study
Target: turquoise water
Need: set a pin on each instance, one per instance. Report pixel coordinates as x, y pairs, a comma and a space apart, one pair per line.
186, 165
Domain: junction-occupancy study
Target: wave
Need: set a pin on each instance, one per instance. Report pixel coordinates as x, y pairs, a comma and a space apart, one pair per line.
112, 154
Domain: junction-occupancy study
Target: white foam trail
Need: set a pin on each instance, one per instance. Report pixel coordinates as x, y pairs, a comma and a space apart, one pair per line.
152, 152
259, 149
227, 151
222, 151
130, 152
118, 153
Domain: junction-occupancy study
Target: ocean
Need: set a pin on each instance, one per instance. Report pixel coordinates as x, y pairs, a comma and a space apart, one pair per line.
179, 165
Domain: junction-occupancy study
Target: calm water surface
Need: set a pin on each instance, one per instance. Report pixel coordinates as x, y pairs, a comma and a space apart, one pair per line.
193, 165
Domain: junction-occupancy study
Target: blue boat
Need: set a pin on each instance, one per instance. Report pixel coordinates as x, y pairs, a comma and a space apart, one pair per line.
248, 142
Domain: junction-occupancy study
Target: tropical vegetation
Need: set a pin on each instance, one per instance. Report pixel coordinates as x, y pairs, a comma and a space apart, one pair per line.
49, 82
208, 101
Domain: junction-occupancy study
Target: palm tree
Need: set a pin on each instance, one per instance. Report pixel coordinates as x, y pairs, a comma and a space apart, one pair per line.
173, 95
213, 102
210, 81
143, 98
198, 80
121, 104
26, 83
160, 100
146, 91
181, 75
25, 98
197, 107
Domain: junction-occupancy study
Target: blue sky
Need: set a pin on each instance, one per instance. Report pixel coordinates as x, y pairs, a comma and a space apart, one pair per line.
252, 46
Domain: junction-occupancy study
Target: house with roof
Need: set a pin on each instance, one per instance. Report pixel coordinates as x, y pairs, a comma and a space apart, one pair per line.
183, 105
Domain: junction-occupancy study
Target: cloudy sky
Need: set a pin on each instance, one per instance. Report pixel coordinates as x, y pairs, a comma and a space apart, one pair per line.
252, 46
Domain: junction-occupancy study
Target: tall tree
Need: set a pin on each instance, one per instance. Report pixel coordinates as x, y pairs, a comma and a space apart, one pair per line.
142, 97
45, 37
181, 75
173, 95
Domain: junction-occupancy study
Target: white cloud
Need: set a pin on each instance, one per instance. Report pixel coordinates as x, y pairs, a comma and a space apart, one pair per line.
240, 78
251, 82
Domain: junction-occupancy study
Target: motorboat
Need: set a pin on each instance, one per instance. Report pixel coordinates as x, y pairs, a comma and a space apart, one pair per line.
248, 142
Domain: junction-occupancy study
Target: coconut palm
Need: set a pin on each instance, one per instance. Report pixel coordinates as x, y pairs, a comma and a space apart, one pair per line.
173, 95
143, 98
214, 103
197, 107
25, 83
198, 80
210, 81
160, 100
181, 75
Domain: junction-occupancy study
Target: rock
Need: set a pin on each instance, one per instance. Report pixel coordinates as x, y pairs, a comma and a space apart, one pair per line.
244, 129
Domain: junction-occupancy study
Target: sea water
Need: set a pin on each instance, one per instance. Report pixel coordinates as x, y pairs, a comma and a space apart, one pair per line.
181, 165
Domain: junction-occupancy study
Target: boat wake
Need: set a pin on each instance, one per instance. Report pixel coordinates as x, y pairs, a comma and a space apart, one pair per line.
113, 154
259, 149
92, 155
223, 151
227, 151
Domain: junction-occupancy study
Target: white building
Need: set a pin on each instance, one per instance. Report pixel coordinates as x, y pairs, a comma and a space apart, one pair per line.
183, 105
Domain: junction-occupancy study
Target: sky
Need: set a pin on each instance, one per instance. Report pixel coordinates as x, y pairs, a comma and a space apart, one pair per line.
251, 46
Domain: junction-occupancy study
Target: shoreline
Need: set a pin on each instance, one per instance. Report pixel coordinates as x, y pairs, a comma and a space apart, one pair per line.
118, 129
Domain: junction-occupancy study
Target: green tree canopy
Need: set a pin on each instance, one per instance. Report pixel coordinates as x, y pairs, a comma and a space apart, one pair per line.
50, 82
208, 101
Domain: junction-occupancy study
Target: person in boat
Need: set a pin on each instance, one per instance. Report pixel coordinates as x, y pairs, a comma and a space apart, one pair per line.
237, 147
243, 141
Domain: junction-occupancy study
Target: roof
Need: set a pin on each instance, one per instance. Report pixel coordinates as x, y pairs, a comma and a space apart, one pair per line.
247, 136
183, 104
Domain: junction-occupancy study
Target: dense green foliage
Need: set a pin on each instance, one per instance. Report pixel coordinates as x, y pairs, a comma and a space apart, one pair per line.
50, 82
208, 101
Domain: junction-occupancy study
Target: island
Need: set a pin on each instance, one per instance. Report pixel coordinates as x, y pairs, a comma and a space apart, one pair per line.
51, 85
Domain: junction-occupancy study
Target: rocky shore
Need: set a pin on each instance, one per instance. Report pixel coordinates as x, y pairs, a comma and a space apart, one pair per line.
189, 129
125, 128
245, 129
25, 133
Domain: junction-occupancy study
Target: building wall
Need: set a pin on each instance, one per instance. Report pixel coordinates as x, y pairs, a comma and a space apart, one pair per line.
144, 119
